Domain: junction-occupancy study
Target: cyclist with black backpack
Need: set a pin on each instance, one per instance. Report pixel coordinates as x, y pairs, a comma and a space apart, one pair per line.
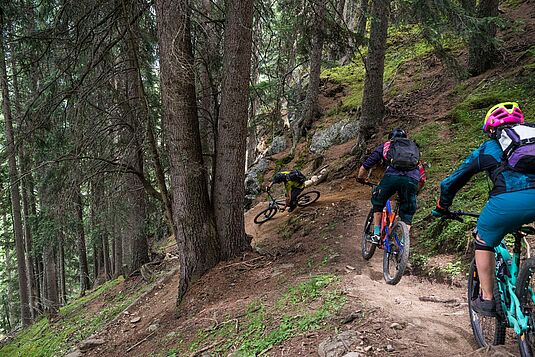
404, 174
294, 183
508, 157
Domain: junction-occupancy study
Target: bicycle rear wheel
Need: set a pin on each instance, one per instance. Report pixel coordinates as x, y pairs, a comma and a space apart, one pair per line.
395, 261
367, 247
265, 215
525, 290
308, 198
487, 330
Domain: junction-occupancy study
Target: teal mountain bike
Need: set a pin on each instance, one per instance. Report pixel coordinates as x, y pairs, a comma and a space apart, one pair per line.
514, 291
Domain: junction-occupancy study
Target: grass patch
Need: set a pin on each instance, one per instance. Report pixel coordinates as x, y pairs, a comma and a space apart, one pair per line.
76, 324
301, 308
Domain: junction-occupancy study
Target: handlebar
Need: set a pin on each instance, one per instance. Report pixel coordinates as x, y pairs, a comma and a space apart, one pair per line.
457, 215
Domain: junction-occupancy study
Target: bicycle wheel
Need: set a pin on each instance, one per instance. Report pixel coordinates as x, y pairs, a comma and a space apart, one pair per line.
367, 247
525, 290
308, 198
265, 215
487, 330
395, 261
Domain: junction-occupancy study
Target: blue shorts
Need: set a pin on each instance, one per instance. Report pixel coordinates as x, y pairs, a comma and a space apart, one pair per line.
504, 214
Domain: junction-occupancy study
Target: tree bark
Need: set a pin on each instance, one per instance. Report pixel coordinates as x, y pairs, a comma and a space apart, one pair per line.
26, 316
196, 235
82, 250
372, 99
61, 270
52, 297
229, 189
8, 266
133, 137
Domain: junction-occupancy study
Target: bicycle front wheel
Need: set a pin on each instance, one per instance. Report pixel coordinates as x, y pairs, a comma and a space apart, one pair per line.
308, 198
525, 290
265, 215
487, 330
367, 247
395, 261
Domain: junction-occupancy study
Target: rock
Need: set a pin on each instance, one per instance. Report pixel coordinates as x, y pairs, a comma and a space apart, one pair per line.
337, 346
252, 183
350, 267
136, 319
351, 317
367, 348
152, 328
75, 353
277, 145
396, 326
390, 348
338, 133
90, 344
353, 354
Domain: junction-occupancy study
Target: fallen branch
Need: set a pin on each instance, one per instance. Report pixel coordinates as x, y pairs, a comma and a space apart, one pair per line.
204, 349
140, 342
438, 300
239, 263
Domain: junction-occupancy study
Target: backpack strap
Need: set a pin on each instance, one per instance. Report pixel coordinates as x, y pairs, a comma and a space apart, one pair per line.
386, 147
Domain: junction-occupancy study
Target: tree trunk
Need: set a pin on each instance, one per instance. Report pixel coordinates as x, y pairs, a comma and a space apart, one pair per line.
229, 189
311, 106
52, 298
196, 235
133, 135
14, 186
82, 251
61, 270
482, 52
8, 266
118, 243
372, 99
360, 29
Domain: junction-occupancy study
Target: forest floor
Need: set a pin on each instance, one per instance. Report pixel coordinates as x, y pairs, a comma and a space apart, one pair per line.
417, 317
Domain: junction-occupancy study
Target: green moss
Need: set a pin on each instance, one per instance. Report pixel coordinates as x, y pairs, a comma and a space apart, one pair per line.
76, 323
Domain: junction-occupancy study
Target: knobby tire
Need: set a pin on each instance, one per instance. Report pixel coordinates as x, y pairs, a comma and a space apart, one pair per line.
367, 247
265, 215
398, 255
526, 341
487, 330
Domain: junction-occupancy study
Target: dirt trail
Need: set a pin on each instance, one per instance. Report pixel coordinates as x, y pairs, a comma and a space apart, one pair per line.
322, 238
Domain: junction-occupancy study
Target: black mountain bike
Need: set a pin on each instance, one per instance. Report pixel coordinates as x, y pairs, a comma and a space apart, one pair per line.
275, 205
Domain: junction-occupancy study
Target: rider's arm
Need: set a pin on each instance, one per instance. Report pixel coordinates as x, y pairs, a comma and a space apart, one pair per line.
375, 158
453, 183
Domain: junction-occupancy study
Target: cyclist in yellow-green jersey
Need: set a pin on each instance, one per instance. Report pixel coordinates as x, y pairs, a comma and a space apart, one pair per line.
294, 183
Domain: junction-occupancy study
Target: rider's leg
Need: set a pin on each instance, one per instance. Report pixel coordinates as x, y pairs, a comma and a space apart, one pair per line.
407, 190
485, 263
293, 198
381, 194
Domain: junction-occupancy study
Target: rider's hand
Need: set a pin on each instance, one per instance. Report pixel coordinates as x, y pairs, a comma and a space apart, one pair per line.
439, 212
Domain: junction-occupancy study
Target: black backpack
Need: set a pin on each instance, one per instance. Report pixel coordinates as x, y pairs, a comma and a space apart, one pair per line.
296, 176
403, 154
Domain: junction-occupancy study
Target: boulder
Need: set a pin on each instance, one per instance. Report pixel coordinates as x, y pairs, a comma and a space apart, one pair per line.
277, 145
338, 133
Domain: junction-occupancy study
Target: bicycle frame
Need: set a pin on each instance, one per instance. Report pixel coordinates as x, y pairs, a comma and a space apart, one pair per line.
274, 202
507, 286
387, 219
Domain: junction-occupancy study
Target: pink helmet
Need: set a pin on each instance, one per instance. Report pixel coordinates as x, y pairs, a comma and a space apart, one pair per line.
503, 113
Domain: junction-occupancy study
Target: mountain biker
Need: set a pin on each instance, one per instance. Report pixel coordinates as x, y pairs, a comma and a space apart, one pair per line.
511, 201
294, 183
405, 181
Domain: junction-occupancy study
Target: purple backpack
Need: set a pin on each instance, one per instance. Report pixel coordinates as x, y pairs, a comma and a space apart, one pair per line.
518, 145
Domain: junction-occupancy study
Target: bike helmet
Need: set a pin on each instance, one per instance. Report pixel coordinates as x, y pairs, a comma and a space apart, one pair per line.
397, 133
503, 113
279, 177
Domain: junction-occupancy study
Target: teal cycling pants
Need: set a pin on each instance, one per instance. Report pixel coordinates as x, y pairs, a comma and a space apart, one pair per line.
505, 213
